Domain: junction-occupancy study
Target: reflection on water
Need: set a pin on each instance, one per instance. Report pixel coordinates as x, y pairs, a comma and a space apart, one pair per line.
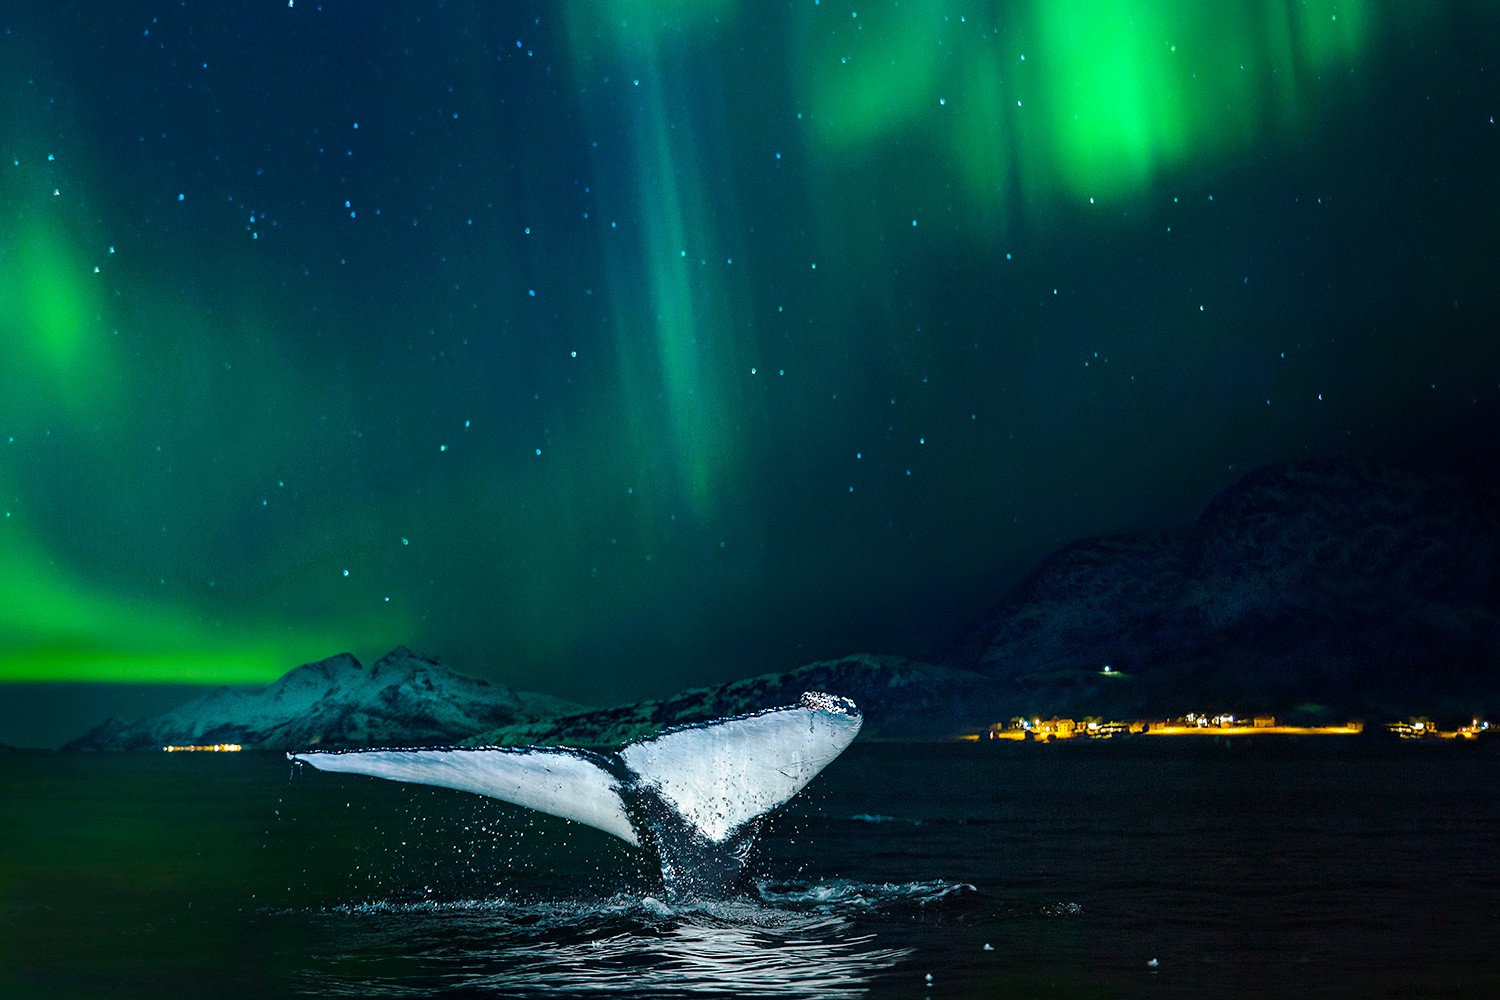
794, 941
816, 960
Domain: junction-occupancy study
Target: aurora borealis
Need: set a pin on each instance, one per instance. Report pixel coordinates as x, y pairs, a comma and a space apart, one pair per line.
606, 348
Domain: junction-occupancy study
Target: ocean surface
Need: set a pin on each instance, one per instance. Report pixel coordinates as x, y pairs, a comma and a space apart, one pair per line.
1153, 868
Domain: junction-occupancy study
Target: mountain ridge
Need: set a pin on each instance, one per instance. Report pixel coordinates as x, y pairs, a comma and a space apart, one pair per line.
401, 700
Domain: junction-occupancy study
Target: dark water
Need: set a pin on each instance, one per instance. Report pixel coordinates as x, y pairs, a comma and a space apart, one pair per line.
1152, 869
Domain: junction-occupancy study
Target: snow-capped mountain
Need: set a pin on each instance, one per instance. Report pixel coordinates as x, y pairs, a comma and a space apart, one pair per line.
402, 700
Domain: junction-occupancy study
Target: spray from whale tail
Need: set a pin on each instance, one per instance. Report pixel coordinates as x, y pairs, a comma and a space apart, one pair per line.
695, 796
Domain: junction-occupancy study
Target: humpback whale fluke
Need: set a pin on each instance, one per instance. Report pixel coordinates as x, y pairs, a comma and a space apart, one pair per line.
694, 795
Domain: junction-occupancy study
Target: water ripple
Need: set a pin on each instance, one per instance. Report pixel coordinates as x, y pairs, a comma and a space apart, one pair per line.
788, 940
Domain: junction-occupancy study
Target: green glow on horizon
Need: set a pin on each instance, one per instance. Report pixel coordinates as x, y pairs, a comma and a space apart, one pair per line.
59, 628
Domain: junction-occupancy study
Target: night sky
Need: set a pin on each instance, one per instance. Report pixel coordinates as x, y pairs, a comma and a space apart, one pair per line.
606, 348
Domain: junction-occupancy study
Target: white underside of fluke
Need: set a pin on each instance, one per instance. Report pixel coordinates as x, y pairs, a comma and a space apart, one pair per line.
560, 782
721, 775
716, 776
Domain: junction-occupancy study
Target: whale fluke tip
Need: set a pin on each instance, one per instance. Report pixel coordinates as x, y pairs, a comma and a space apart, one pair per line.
821, 701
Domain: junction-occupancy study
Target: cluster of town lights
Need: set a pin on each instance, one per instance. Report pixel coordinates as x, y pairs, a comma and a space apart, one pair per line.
1203, 724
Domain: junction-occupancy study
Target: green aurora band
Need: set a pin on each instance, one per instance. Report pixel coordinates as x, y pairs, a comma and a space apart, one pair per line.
185, 502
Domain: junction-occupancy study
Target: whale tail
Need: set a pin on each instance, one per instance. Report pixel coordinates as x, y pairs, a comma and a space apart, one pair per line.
695, 796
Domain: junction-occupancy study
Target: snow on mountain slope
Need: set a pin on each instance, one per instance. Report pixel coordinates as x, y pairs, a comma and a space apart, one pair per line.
402, 700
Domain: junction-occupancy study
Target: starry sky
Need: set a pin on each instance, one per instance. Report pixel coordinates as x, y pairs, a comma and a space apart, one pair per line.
605, 348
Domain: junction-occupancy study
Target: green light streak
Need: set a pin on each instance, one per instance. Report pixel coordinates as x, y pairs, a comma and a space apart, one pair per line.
687, 319
678, 298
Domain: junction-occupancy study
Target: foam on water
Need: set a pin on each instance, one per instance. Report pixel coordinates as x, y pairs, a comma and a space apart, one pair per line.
774, 903
845, 896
